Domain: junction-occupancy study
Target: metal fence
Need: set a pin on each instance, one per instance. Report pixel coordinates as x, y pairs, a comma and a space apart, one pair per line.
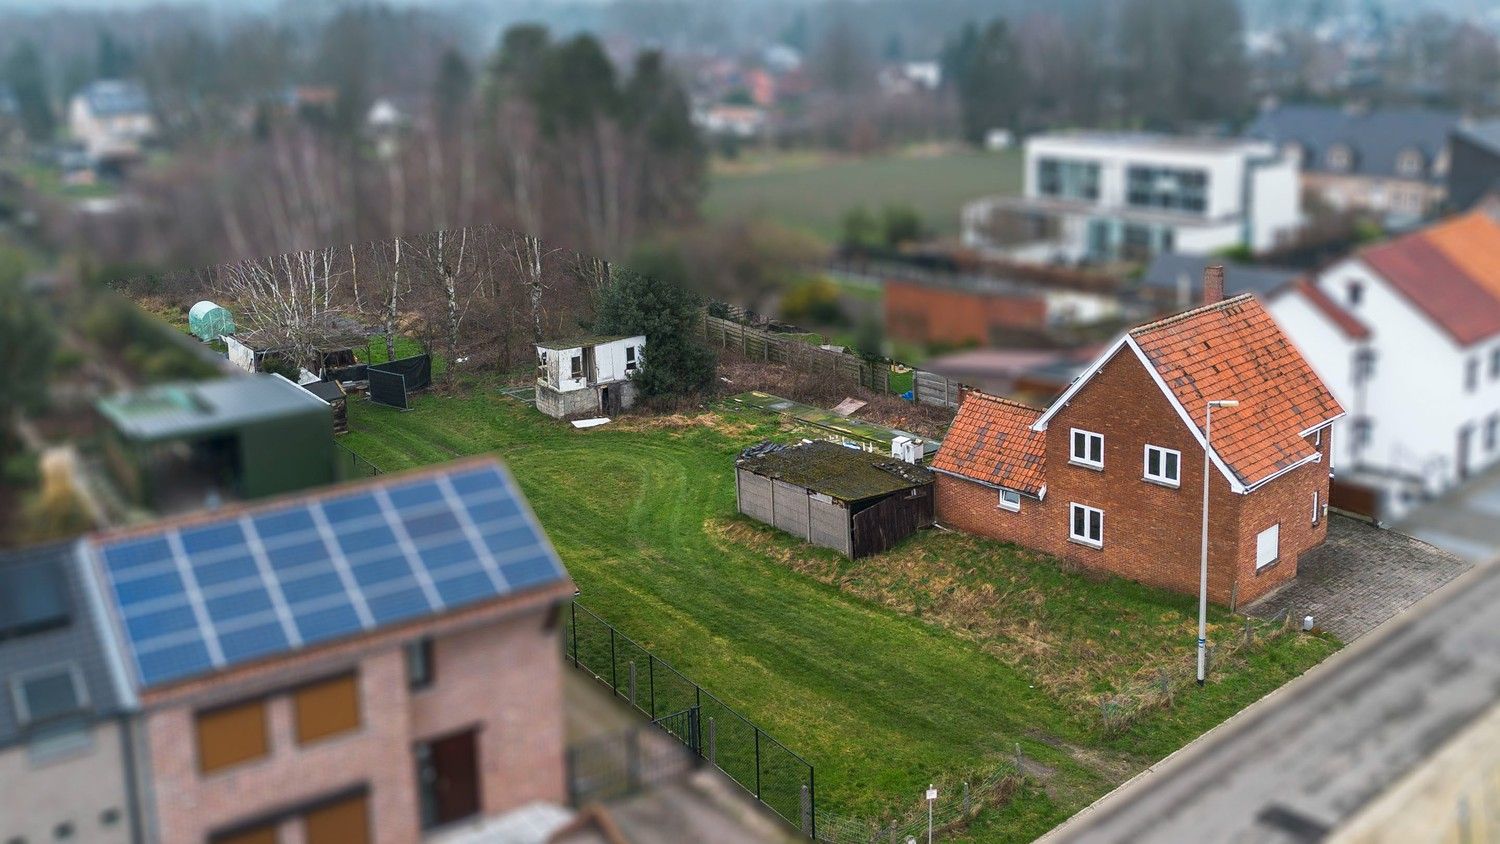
773, 347
619, 764
712, 731
350, 466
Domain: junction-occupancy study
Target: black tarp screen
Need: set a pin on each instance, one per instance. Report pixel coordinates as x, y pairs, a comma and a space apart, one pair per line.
391, 381
417, 369
388, 388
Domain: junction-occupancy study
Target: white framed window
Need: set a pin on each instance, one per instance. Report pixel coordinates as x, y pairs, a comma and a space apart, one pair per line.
1010, 500
1086, 525
1163, 465
630, 362
1087, 448
1268, 546
1317, 509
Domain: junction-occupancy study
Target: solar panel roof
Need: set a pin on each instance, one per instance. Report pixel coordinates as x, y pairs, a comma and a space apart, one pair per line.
206, 595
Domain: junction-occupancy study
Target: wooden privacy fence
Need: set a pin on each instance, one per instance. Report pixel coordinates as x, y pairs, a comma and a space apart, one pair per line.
771, 347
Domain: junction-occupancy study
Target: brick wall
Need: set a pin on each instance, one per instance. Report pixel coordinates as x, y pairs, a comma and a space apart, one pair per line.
921, 314
1152, 533
503, 677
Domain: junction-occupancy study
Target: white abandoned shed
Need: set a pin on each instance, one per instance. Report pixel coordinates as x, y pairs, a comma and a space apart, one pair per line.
852, 501
587, 375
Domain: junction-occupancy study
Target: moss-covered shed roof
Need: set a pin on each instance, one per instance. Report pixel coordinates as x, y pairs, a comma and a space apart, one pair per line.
844, 473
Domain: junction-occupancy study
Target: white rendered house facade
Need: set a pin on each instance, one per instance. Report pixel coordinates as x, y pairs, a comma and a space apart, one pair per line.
1421, 383
1107, 196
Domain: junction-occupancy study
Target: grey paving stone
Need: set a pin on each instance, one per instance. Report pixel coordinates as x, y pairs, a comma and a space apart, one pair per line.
1360, 577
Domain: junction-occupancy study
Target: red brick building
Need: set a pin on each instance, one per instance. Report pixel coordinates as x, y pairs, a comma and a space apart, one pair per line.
365, 664
921, 313
1110, 475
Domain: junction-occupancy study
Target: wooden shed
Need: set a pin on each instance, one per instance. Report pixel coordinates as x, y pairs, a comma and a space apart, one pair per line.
852, 501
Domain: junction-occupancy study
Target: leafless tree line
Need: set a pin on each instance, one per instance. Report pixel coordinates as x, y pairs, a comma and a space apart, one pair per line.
477, 295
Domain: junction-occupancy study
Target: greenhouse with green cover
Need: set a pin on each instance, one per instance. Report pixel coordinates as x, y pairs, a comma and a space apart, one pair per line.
209, 322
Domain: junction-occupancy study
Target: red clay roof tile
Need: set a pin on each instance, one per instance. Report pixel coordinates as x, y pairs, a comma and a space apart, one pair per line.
1450, 272
991, 441
1234, 350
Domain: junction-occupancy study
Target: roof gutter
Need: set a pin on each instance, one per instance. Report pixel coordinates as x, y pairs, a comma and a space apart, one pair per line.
1038, 495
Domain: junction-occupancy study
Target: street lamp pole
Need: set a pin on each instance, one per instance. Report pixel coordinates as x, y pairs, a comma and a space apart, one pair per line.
1208, 437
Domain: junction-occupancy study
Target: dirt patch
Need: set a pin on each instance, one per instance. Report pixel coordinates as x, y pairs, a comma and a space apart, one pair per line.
737, 429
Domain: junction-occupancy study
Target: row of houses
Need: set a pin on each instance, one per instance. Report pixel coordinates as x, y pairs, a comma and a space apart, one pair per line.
365, 663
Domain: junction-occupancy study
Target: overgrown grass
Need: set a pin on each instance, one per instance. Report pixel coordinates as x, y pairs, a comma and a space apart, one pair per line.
930, 663
816, 194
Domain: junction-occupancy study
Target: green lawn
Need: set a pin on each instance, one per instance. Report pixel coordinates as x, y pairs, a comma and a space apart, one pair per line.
815, 194
929, 663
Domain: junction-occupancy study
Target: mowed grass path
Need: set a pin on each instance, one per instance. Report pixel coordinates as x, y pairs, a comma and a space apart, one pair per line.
878, 701
814, 195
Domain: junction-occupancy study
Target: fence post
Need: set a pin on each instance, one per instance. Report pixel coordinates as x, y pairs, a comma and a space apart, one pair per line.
1249, 631
806, 811
573, 611
631, 679
713, 740
967, 805
812, 803
757, 763
651, 681
614, 674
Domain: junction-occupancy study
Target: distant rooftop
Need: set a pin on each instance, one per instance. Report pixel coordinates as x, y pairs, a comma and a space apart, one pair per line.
186, 409
116, 97
1168, 268
1183, 143
1376, 136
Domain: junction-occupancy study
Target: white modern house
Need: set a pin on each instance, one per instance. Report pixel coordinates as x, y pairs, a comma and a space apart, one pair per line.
1092, 196
587, 374
1407, 336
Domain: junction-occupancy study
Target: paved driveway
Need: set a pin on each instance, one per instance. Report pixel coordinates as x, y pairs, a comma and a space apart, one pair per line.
1466, 521
1360, 577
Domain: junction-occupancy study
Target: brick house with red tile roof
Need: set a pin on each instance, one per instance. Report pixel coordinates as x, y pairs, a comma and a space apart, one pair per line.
1109, 475
1406, 334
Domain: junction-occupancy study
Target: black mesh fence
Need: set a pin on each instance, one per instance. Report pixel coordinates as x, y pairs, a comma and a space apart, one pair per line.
766, 768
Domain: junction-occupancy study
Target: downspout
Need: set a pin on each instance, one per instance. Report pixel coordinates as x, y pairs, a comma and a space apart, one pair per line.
133, 802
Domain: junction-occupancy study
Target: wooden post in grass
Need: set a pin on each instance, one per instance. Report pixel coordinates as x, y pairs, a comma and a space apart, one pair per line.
713, 741
632, 682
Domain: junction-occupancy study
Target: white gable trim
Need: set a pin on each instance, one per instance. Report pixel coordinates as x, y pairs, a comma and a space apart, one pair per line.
1315, 457
1235, 484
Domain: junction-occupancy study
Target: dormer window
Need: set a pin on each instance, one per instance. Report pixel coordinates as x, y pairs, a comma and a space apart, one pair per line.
1356, 292
1410, 163
1340, 158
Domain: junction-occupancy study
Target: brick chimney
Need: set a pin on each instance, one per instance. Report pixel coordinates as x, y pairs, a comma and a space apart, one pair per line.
1213, 284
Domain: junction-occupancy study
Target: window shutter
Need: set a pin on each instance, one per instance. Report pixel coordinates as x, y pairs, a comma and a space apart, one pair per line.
327, 708
344, 822
232, 735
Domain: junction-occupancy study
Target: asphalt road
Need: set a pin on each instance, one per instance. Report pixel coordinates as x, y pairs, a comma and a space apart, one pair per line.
1294, 765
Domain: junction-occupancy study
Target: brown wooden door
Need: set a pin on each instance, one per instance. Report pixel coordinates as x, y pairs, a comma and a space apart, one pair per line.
449, 770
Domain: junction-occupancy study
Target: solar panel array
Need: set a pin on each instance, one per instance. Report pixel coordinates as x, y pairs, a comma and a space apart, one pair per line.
207, 595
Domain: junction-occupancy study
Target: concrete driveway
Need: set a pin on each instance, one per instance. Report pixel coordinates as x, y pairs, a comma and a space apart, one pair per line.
1466, 521
1360, 577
